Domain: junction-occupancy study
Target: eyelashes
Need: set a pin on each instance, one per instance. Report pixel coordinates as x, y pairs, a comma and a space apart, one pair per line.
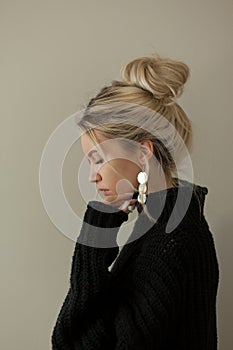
100, 161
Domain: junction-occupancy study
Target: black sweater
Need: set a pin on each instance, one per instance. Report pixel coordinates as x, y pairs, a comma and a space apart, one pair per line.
161, 291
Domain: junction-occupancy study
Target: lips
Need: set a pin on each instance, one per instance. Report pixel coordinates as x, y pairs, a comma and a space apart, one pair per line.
105, 191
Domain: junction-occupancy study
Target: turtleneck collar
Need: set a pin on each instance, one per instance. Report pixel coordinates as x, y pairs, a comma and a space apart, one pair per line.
173, 205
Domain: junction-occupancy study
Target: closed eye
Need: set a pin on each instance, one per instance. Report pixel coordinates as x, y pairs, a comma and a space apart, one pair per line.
99, 161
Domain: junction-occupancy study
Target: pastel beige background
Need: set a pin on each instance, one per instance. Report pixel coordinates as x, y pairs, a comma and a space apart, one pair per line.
54, 56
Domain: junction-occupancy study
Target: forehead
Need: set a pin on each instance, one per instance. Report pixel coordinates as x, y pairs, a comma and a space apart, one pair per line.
86, 143
90, 147
108, 146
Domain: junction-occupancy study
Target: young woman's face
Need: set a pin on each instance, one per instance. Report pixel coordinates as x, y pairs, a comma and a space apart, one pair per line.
100, 170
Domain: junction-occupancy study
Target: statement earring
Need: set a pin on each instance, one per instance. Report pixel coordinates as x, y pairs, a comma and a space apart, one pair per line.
142, 179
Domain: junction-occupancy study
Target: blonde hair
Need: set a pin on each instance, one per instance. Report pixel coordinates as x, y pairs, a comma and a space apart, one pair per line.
143, 106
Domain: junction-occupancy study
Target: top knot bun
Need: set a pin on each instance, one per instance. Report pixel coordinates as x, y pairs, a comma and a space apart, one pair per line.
162, 77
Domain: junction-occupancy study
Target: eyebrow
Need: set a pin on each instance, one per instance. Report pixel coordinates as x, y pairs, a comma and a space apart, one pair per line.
91, 152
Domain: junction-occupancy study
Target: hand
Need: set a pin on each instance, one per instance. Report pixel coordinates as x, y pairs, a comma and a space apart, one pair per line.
121, 201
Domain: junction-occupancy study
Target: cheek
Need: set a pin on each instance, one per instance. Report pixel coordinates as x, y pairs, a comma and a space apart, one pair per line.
109, 174
128, 170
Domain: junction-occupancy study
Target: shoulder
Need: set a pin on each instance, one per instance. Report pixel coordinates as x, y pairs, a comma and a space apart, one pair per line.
168, 248
157, 237
181, 246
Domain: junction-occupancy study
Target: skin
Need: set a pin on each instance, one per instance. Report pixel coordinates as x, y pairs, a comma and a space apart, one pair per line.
127, 163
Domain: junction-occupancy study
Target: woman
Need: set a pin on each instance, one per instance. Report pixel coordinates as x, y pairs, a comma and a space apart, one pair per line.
161, 291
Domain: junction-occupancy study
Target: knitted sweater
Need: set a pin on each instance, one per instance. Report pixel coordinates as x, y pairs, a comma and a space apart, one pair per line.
161, 291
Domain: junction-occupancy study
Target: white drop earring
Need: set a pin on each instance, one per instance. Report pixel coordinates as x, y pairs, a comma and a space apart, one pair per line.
142, 179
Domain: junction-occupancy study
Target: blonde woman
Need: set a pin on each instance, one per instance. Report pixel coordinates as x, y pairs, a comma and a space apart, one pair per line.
159, 292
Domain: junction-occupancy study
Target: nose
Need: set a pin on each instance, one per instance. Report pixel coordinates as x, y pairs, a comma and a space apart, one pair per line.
94, 176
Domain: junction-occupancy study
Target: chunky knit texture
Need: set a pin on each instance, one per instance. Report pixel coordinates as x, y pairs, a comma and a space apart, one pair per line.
161, 291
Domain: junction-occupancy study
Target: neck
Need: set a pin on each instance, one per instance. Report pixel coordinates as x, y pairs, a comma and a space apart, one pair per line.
156, 182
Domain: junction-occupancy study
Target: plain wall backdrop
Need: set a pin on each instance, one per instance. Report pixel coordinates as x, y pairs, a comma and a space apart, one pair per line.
56, 55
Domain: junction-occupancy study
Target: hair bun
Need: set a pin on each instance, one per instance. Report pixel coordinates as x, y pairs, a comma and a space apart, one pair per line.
164, 78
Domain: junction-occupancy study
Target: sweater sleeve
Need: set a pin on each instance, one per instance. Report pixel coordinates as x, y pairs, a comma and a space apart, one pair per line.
99, 314
90, 281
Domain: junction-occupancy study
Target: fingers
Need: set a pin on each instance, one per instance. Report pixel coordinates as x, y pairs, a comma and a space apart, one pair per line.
125, 205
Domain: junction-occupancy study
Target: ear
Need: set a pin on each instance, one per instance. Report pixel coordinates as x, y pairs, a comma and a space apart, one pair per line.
146, 151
